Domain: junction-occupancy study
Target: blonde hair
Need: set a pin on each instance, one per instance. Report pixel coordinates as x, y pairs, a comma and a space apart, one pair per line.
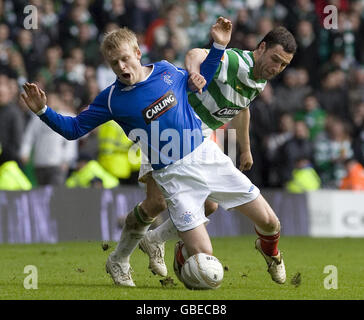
113, 39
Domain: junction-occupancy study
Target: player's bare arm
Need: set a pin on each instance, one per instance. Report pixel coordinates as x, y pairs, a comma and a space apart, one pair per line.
241, 123
34, 97
194, 58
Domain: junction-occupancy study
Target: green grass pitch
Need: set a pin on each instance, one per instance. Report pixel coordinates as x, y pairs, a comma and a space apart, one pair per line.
77, 271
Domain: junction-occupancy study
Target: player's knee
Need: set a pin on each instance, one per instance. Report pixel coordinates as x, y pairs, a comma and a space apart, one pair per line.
210, 207
272, 224
154, 205
159, 204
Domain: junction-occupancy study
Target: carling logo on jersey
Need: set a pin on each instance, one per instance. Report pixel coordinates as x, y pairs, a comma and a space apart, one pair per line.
227, 112
157, 108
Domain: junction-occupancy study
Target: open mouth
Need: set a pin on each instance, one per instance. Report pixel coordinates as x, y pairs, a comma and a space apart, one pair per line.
126, 76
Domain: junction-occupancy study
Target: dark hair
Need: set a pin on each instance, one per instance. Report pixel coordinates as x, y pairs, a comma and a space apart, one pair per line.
280, 36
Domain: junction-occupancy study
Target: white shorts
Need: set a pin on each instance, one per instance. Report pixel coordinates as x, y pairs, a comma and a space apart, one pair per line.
206, 173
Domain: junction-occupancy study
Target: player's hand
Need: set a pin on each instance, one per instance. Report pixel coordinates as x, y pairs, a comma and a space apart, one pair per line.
34, 97
221, 31
196, 82
246, 161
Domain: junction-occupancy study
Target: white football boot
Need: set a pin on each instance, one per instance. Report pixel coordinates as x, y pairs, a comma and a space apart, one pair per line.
155, 251
275, 264
119, 272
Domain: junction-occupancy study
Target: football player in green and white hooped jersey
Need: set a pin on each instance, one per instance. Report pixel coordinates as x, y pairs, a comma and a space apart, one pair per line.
241, 77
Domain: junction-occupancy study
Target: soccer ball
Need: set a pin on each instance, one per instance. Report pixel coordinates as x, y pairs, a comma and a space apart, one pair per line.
199, 272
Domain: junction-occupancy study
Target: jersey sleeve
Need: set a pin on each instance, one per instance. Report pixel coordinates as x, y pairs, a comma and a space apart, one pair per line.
210, 65
73, 128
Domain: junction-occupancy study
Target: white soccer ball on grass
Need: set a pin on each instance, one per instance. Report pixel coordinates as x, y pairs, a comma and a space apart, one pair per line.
200, 272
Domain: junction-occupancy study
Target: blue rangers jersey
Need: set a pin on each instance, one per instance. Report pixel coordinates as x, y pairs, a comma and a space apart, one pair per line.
154, 112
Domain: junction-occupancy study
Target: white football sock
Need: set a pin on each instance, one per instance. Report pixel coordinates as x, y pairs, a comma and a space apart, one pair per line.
136, 226
166, 231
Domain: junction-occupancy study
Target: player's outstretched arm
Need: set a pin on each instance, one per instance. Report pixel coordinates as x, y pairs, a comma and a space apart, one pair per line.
70, 128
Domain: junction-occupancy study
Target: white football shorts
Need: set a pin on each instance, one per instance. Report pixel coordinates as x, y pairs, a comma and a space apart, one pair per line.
206, 173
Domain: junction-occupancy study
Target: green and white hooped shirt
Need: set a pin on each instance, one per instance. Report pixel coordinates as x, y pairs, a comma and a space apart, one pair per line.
232, 89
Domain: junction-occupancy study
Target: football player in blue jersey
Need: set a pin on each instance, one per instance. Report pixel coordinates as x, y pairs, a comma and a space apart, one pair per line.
150, 103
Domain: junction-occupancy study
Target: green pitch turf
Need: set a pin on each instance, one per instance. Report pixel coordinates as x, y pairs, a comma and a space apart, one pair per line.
77, 271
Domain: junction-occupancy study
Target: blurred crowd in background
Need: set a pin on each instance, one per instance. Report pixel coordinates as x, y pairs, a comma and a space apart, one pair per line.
311, 116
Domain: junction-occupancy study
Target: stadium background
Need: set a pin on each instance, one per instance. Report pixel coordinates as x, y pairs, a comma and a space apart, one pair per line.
307, 127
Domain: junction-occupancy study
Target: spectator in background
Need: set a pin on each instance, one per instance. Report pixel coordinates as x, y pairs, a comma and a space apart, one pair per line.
274, 143
244, 22
90, 73
90, 92
25, 45
291, 93
333, 95
170, 54
263, 123
271, 9
354, 179
331, 150
244, 26
224, 8
264, 25
114, 154
301, 10
5, 44
49, 21
53, 155
198, 32
357, 118
356, 86
70, 95
249, 42
307, 50
11, 123
7, 13
358, 135
313, 116
116, 11
104, 75
16, 63
87, 43
297, 149
77, 15
189, 12
143, 13
90, 174
170, 33
69, 73
52, 68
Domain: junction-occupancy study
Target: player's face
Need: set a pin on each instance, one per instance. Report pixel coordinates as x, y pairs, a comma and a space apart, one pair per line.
272, 61
125, 62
